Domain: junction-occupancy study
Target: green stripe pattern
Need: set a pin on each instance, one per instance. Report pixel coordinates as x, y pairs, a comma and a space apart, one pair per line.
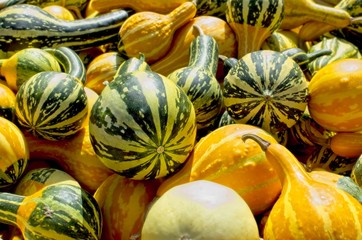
24, 25
52, 105
266, 89
258, 13
62, 211
143, 125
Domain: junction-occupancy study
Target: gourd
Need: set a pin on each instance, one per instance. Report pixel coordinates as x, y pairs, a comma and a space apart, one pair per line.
142, 31
334, 96
313, 29
24, 64
14, 152
7, 102
356, 173
142, 126
324, 158
266, 89
159, 6
340, 48
59, 12
214, 8
132, 64
253, 22
48, 31
222, 157
200, 209
40, 215
283, 39
347, 144
198, 79
124, 203
69, 61
326, 212
177, 57
51, 105
102, 69
70, 154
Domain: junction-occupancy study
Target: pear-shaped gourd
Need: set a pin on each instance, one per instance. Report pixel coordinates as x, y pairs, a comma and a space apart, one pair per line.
310, 209
58, 211
253, 21
151, 33
198, 79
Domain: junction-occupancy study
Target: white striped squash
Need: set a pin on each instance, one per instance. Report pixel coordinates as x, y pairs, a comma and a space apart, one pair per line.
267, 89
51, 105
142, 126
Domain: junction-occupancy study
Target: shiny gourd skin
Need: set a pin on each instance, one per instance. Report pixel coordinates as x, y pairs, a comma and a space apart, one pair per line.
7, 102
326, 212
143, 31
14, 152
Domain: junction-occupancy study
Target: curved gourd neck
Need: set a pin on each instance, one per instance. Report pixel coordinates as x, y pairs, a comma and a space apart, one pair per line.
204, 52
9, 205
283, 161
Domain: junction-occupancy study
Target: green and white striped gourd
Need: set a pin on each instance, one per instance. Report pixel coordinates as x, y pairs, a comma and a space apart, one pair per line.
324, 158
142, 126
253, 21
198, 79
51, 105
132, 64
340, 48
59, 211
26, 25
24, 64
266, 89
356, 173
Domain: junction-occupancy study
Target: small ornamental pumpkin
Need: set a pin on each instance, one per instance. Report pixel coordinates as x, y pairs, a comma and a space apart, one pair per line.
200, 210
335, 95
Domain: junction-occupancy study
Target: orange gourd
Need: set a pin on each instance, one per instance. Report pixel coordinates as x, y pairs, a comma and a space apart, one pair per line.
177, 57
124, 203
306, 208
347, 144
222, 157
59, 12
335, 94
151, 33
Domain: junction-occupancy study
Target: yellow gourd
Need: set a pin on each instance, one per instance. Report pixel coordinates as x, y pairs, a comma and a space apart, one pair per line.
306, 208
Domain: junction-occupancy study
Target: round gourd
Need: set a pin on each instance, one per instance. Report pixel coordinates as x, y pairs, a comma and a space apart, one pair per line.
200, 210
142, 126
267, 89
335, 94
7, 102
14, 153
222, 157
52, 105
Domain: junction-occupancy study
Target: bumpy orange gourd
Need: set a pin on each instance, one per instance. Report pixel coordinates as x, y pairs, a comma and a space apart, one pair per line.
306, 208
178, 57
335, 94
222, 157
124, 203
151, 33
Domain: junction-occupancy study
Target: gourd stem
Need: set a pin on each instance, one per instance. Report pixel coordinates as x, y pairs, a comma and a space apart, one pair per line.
282, 160
9, 205
314, 55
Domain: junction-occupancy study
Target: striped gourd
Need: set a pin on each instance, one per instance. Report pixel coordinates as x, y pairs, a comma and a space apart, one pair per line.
132, 64
124, 203
59, 211
14, 153
356, 173
142, 126
198, 79
70, 62
214, 8
51, 105
266, 89
225, 119
307, 208
340, 48
253, 21
24, 64
25, 25
283, 39
7, 102
324, 158
76, 5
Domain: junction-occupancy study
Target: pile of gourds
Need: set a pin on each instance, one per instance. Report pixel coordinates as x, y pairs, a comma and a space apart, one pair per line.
177, 119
